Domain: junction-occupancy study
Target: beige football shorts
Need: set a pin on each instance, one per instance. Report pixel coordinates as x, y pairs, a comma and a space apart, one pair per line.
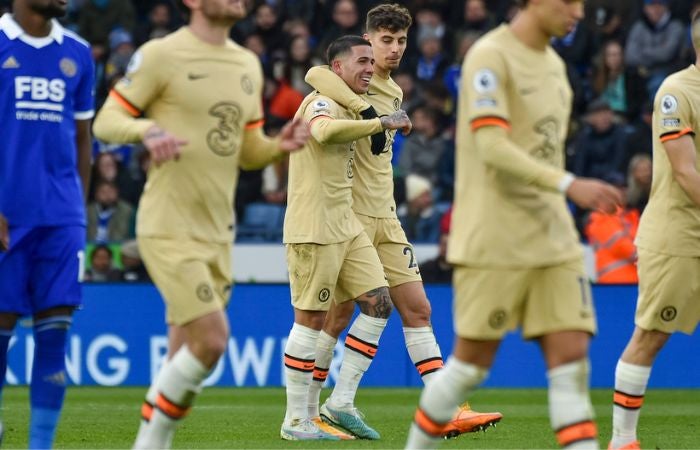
395, 252
193, 277
490, 302
320, 274
669, 292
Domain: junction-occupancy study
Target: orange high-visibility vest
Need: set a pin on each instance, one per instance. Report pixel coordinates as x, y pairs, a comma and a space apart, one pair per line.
612, 237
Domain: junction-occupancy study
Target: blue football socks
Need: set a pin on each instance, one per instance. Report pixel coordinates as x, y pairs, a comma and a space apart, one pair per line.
48, 386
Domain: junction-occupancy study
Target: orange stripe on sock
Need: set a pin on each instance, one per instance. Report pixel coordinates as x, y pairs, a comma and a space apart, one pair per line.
428, 425
320, 374
255, 124
429, 365
302, 365
576, 432
675, 135
171, 409
146, 411
628, 401
124, 103
489, 121
360, 346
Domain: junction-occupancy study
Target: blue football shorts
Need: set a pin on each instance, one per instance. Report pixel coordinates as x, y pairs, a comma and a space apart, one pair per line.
42, 269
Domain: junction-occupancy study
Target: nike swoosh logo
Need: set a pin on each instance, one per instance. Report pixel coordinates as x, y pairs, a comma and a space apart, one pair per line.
372, 93
526, 91
196, 76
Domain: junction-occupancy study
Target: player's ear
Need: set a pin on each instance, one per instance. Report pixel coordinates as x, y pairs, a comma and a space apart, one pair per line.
337, 66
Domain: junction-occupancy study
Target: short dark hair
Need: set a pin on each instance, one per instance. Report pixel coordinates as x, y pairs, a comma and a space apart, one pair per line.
343, 45
392, 17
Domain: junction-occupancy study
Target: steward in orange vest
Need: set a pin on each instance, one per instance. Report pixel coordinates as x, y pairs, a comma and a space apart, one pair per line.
612, 238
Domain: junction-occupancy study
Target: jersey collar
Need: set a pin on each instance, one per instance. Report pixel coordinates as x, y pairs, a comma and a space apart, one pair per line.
14, 31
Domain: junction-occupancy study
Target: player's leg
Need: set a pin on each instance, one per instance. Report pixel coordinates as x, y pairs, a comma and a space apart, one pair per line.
337, 319
485, 308
180, 380
559, 313
406, 289
631, 378
56, 268
189, 277
176, 339
410, 300
362, 279
314, 273
465, 370
568, 372
668, 292
14, 285
7, 325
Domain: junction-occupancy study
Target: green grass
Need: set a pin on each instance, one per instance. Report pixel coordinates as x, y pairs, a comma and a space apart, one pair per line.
250, 418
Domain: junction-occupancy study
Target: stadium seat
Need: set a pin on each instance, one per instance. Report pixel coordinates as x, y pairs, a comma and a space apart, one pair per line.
262, 222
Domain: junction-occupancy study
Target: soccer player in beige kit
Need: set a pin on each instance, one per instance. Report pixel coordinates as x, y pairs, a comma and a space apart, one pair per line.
373, 202
668, 243
329, 255
194, 99
517, 257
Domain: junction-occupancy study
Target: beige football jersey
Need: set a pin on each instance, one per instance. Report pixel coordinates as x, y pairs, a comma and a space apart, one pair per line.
319, 187
499, 220
373, 189
670, 223
206, 95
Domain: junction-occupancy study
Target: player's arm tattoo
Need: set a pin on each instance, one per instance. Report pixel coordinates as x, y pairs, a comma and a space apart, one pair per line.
376, 303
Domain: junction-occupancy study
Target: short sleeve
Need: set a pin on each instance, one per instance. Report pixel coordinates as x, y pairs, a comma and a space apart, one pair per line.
320, 106
484, 84
143, 81
673, 113
84, 101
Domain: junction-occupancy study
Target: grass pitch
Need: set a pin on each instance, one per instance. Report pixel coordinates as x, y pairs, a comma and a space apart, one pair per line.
249, 418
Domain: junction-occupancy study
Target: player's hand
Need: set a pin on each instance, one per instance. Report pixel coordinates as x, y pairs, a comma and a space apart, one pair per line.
4, 234
397, 121
594, 194
294, 135
162, 145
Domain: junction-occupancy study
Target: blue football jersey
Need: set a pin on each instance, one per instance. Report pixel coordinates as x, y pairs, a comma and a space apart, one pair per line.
46, 84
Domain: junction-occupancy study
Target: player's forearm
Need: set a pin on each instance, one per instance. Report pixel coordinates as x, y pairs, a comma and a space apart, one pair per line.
258, 150
84, 146
689, 180
331, 85
336, 131
114, 124
502, 154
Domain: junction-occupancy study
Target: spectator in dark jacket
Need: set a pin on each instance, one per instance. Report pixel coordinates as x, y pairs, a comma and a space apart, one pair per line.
654, 43
600, 146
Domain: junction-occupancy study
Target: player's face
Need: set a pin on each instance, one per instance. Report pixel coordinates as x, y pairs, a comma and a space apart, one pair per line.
388, 48
48, 8
356, 68
559, 17
228, 11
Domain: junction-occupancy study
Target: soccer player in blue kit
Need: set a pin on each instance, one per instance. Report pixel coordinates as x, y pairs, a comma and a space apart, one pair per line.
46, 103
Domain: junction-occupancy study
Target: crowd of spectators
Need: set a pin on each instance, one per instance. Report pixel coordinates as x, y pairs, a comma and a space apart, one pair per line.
616, 58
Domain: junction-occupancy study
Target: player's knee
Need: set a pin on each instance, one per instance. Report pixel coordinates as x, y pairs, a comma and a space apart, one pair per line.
336, 324
209, 348
383, 306
648, 342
